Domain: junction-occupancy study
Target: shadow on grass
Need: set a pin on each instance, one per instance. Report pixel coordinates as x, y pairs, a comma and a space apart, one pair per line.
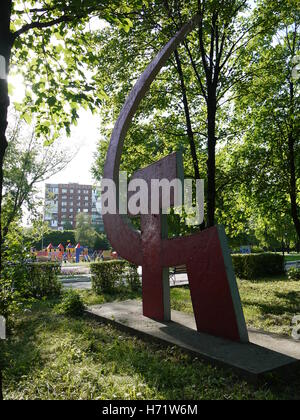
90, 298
169, 372
272, 279
21, 354
290, 304
293, 298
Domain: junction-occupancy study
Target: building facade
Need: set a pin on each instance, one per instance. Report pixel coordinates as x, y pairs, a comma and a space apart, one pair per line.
64, 201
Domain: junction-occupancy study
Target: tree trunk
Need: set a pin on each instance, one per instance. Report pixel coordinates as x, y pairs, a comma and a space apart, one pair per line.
189, 128
292, 167
293, 187
5, 51
211, 160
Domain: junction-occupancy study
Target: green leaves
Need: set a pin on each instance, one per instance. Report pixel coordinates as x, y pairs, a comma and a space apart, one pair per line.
51, 53
85, 233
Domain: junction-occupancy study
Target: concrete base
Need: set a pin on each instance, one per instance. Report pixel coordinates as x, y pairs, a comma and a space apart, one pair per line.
266, 353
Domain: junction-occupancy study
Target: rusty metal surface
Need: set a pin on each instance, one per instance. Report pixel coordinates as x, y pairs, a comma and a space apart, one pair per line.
165, 168
117, 227
213, 288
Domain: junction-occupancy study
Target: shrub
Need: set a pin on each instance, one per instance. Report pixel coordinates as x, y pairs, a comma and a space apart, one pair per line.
9, 300
132, 277
71, 304
56, 237
252, 266
294, 273
110, 276
38, 280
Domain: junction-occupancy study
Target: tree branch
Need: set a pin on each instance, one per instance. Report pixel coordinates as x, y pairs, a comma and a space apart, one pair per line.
41, 25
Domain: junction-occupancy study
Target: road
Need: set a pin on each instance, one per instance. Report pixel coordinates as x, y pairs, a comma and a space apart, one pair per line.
83, 281
78, 277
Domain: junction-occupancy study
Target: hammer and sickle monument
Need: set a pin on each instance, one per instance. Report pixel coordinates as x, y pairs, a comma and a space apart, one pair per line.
214, 292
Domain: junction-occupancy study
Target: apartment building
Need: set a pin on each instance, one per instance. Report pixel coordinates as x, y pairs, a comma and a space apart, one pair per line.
64, 201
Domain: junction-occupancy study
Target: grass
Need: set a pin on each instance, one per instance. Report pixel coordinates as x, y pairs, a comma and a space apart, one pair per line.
269, 304
292, 257
51, 356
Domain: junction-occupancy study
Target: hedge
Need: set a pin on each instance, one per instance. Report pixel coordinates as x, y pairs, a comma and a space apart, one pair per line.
111, 276
38, 280
253, 266
56, 237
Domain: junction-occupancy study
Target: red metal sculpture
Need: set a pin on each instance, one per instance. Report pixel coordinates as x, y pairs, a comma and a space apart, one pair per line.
214, 293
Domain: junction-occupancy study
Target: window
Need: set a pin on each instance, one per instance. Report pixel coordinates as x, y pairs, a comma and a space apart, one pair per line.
85, 210
53, 190
64, 203
71, 191
64, 210
64, 191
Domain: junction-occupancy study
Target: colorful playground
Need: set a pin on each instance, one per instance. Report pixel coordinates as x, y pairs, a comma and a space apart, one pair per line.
69, 253
72, 254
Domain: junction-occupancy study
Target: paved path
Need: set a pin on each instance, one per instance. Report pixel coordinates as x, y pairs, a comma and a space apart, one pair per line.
265, 353
290, 264
79, 282
83, 281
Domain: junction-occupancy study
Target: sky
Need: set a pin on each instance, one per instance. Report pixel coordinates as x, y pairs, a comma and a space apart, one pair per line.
84, 138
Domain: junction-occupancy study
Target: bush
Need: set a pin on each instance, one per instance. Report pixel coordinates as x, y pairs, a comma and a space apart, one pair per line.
294, 273
111, 276
56, 237
253, 266
71, 304
9, 300
132, 277
38, 280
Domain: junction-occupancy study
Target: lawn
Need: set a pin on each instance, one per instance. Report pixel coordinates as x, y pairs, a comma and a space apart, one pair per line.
269, 304
51, 356
292, 257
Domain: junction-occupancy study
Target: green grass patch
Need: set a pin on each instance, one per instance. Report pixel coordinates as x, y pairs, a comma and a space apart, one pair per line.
269, 304
292, 257
51, 356
91, 298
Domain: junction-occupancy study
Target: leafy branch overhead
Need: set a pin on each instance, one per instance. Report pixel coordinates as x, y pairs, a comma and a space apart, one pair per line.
48, 50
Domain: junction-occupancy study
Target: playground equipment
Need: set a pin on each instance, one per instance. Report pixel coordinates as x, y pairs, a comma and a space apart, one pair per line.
109, 255
71, 253
82, 252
